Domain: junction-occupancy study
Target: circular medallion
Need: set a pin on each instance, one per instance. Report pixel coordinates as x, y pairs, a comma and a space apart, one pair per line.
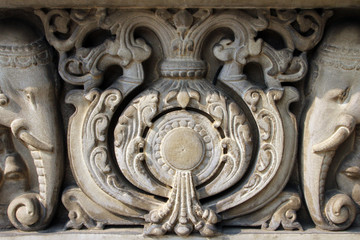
182, 140
182, 148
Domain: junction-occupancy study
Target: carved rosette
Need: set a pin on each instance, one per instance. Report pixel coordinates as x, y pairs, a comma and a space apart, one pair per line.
183, 155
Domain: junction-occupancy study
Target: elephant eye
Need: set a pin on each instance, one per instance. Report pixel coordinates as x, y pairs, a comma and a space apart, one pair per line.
15, 176
29, 94
343, 95
30, 97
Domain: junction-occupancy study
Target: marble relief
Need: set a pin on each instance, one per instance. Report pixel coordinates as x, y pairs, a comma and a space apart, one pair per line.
184, 155
165, 132
334, 92
29, 116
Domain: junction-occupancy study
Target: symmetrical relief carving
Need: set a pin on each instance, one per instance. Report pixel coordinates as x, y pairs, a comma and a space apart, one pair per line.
330, 118
28, 114
183, 155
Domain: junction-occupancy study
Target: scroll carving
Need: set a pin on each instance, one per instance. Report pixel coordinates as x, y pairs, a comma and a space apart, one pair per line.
180, 120
281, 211
168, 157
182, 155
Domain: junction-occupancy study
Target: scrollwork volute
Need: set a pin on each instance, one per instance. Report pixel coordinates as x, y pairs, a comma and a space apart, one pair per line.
184, 154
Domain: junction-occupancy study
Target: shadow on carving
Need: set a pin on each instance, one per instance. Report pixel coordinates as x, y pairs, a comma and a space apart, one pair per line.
333, 92
185, 155
28, 115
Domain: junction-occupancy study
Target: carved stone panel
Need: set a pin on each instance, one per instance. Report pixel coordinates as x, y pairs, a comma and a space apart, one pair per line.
183, 155
334, 92
29, 117
183, 121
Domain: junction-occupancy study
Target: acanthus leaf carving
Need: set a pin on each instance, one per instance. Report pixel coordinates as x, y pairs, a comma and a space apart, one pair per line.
309, 21
189, 154
280, 212
129, 141
87, 65
186, 213
85, 213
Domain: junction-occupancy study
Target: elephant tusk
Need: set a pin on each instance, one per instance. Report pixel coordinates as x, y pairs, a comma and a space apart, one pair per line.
330, 144
33, 141
19, 130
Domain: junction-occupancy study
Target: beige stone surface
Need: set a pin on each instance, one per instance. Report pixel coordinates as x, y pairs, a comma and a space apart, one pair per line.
180, 122
31, 152
331, 116
182, 4
134, 234
182, 155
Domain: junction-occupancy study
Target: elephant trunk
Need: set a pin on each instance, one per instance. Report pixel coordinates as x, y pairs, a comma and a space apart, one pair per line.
330, 210
33, 211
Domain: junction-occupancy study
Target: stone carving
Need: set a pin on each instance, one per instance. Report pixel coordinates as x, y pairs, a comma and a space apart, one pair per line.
181, 120
334, 91
182, 155
348, 173
281, 211
28, 109
14, 175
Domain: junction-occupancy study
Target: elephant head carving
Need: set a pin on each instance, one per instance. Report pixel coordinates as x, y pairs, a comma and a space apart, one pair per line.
28, 108
14, 175
348, 173
332, 113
